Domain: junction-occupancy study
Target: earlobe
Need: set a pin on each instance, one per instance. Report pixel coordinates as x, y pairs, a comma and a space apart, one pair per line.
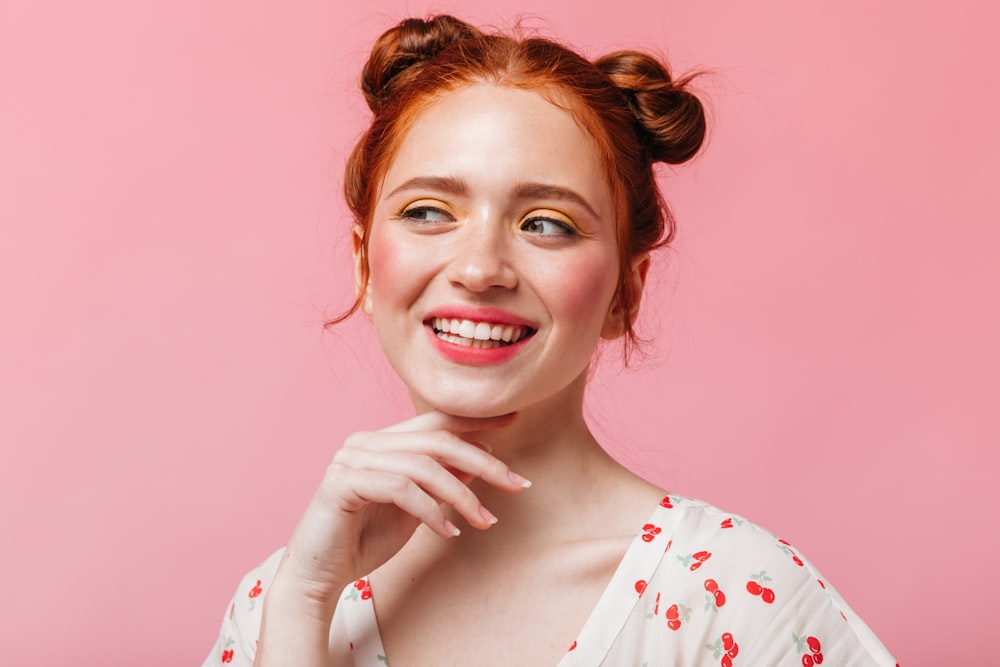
615, 324
361, 285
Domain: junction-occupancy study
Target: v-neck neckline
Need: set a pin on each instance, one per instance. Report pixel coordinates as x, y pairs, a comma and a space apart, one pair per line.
595, 638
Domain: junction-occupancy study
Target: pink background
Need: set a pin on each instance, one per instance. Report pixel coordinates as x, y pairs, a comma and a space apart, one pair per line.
172, 235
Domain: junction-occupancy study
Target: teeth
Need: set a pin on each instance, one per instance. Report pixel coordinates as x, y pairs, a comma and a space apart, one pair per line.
477, 334
469, 342
483, 331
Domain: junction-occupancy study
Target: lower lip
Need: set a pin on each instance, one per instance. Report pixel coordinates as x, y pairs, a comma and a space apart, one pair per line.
476, 356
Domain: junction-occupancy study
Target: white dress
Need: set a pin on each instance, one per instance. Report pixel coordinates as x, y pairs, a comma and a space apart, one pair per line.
698, 587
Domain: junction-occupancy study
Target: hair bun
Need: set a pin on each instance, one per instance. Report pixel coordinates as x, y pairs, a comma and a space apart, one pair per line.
399, 54
673, 118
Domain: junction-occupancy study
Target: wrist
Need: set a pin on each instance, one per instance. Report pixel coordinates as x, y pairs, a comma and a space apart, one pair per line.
303, 597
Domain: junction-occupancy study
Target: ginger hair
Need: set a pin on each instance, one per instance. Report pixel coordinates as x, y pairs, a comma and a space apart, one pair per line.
627, 101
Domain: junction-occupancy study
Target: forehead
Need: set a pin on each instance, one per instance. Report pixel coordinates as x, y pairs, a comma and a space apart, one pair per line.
493, 134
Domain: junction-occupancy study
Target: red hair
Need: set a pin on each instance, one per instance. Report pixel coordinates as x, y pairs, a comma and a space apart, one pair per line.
627, 102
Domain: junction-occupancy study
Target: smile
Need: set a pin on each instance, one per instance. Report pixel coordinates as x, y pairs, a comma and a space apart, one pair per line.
478, 334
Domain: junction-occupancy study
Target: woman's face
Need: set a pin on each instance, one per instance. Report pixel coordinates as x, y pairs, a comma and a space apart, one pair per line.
492, 254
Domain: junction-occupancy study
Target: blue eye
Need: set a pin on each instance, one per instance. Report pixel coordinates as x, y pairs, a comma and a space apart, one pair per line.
548, 227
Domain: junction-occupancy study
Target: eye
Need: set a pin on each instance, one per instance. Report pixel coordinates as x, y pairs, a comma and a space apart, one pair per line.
423, 213
548, 227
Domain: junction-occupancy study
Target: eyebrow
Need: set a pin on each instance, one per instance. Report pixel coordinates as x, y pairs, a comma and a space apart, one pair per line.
545, 191
446, 184
457, 186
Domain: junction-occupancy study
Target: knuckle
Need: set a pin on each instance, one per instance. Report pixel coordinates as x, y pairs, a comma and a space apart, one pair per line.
398, 485
353, 440
493, 468
442, 434
427, 466
358, 440
430, 508
334, 471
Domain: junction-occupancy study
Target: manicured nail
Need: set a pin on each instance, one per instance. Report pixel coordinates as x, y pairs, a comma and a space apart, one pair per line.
483, 446
517, 479
488, 515
452, 528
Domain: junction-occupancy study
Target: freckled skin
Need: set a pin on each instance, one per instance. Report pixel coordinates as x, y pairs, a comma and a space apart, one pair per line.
479, 250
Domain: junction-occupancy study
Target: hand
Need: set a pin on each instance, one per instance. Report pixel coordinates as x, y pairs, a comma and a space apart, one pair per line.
378, 489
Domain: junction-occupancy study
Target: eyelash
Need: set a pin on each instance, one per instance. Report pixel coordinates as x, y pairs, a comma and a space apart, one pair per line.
411, 214
418, 215
567, 229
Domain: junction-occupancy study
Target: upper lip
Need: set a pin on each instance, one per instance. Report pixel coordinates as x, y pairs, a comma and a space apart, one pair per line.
488, 314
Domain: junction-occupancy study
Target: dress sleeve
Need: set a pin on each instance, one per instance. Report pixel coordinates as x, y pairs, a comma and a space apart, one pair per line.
237, 642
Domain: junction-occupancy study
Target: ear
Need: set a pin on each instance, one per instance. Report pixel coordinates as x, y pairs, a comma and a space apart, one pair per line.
360, 259
635, 281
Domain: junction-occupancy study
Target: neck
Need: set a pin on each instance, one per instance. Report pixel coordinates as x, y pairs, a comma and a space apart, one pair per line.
550, 444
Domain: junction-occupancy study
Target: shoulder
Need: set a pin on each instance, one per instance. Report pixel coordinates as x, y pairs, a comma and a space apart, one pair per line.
237, 641
725, 582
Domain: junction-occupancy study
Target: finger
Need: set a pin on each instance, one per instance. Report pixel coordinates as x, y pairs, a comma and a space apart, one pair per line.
444, 446
434, 420
431, 476
376, 486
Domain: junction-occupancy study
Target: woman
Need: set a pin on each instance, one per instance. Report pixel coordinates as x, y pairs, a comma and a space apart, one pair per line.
506, 210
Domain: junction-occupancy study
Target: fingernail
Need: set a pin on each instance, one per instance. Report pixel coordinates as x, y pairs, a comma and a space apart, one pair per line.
483, 446
488, 515
517, 479
452, 528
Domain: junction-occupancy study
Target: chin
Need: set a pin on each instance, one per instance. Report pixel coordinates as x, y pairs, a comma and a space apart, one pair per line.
465, 406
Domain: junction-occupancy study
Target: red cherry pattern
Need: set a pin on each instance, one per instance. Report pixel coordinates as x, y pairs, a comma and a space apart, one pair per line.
256, 590
363, 586
254, 593
572, 646
673, 617
787, 548
640, 586
725, 649
677, 614
695, 560
757, 586
666, 502
715, 598
811, 650
729, 645
650, 532
227, 653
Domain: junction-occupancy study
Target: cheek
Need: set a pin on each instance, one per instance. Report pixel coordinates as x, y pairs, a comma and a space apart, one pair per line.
386, 261
584, 287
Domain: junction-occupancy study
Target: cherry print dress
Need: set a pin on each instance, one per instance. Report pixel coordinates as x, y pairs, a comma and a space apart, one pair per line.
698, 587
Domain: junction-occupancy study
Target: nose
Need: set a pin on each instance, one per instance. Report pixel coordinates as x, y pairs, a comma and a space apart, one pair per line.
481, 258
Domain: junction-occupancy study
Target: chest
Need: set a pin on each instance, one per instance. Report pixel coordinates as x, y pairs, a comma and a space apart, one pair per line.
527, 612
